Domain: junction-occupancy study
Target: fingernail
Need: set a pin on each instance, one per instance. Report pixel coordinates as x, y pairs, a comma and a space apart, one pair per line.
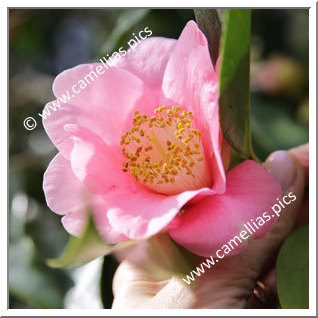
282, 167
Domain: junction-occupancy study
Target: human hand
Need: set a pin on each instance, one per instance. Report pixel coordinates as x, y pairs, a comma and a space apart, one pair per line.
230, 283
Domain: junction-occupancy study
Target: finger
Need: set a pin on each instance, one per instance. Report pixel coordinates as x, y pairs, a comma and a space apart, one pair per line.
303, 217
132, 286
174, 295
289, 173
265, 291
135, 288
234, 278
302, 154
269, 282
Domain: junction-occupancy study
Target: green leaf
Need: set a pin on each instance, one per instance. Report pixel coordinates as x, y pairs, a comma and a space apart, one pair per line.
292, 270
81, 250
235, 81
210, 23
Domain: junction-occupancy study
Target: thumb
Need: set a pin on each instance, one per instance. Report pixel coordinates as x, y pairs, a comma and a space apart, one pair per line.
135, 288
289, 173
132, 286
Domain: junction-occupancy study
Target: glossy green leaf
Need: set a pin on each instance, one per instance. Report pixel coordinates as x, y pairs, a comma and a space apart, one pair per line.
292, 270
210, 23
234, 79
80, 250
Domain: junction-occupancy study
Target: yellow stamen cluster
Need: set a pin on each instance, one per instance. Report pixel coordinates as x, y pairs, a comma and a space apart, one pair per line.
161, 147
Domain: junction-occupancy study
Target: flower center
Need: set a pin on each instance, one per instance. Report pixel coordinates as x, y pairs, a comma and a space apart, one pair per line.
165, 151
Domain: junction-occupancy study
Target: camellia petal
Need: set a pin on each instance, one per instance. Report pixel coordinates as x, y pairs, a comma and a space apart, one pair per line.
141, 148
191, 80
142, 213
106, 231
100, 106
74, 222
215, 220
128, 204
64, 192
149, 64
95, 164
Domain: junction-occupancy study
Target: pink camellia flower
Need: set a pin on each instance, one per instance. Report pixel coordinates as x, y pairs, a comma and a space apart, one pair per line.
141, 148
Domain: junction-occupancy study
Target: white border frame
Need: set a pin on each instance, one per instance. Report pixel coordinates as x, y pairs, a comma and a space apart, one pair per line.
312, 161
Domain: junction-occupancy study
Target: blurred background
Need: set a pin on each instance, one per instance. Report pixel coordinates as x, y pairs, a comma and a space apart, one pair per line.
42, 44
